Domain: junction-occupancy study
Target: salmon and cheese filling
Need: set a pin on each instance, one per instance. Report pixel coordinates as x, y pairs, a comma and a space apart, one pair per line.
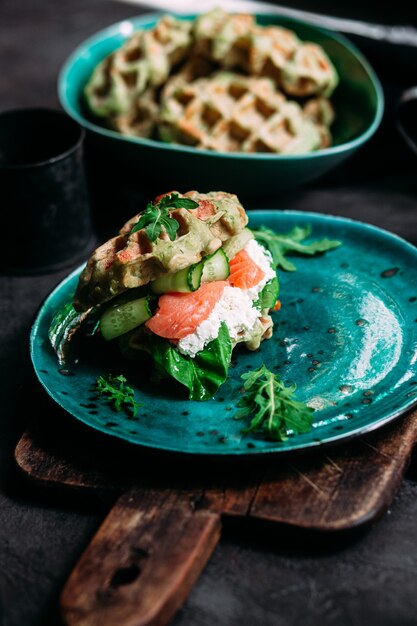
194, 319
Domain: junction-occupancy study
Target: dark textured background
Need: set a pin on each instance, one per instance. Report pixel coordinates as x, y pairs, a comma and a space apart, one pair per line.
253, 579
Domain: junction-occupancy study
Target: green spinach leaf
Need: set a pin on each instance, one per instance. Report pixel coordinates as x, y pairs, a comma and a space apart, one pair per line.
204, 373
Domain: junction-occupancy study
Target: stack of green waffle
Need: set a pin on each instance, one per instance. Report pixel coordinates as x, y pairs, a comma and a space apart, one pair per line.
220, 82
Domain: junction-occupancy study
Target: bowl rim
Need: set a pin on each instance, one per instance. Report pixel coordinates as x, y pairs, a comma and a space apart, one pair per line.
132, 23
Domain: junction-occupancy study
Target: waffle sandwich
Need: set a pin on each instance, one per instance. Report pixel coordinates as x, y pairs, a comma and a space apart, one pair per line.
183, 295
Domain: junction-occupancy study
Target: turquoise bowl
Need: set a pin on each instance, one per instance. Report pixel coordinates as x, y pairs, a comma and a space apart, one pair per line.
358, 101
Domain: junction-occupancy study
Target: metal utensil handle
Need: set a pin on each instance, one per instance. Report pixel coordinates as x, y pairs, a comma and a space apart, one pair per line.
408, 97
397, 34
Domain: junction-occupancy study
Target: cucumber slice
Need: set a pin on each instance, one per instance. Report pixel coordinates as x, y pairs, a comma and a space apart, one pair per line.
121, 317
233, 245
188, 279
212, 267
215, 267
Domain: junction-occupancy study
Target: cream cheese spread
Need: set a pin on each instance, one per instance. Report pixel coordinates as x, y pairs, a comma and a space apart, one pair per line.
235, 308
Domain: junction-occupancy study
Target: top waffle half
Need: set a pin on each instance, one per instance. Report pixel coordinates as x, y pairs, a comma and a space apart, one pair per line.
131, 260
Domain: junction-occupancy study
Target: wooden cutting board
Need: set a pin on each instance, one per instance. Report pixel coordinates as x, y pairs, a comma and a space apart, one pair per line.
167, 513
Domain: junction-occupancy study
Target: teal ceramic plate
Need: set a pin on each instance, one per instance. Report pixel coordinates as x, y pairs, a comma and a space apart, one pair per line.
346, 335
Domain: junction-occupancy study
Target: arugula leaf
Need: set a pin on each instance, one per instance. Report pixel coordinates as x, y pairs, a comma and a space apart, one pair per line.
114, 390
173, 201
292, 242
157, 216
272, 407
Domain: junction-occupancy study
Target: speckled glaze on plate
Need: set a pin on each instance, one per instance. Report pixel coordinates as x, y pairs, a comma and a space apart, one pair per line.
346, 335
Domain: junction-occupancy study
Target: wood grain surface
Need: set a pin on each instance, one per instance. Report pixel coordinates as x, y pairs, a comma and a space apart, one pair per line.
143, 561
162, 529
332, 488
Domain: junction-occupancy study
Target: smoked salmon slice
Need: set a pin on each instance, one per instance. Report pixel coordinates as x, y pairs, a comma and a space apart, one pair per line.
179, 314
244, 272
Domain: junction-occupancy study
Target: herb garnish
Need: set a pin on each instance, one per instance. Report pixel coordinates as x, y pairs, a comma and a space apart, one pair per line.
282, 244
272, 406
156, 216
114, 391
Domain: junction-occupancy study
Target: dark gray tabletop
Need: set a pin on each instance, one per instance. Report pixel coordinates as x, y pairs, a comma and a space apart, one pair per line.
285, 578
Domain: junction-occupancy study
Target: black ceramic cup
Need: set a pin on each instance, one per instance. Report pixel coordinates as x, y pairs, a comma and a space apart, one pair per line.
45, 214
